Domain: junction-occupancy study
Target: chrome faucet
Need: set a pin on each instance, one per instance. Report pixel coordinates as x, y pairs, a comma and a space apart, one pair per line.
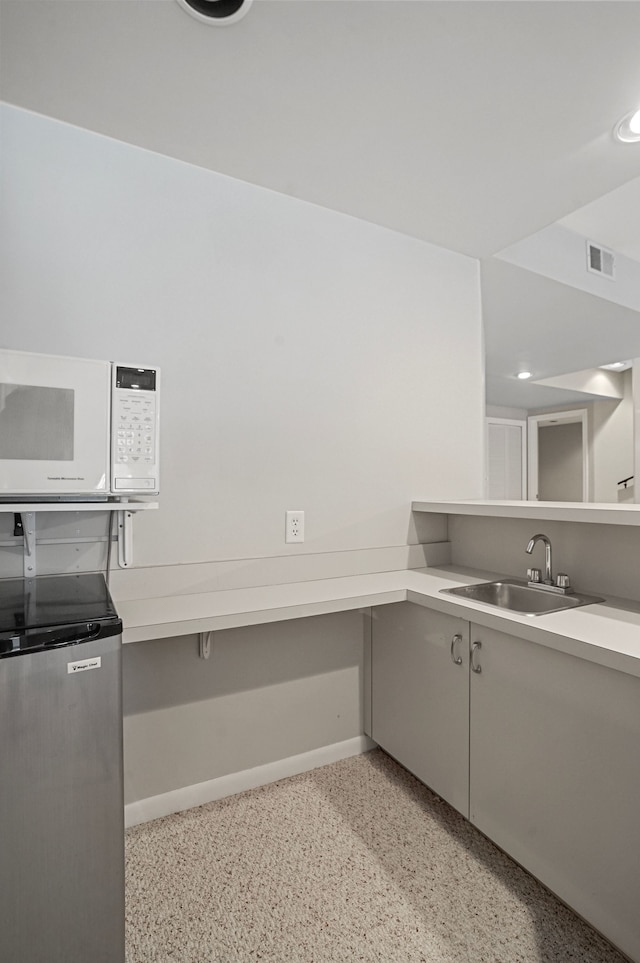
548, 576
562, 582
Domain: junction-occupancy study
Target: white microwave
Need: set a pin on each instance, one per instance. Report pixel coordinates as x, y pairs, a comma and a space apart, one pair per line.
77, 429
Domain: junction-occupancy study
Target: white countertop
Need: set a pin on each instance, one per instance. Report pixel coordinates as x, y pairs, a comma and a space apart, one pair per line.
607, 633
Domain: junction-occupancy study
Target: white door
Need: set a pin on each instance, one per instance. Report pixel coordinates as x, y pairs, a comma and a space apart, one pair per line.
506, 459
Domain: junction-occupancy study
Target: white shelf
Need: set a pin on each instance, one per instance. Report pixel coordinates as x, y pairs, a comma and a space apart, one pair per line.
594, 512
30, 510
131, 506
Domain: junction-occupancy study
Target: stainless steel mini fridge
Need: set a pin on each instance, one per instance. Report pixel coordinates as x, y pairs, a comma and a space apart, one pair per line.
61, 783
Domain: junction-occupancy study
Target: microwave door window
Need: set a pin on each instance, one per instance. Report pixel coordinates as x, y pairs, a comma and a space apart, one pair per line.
36, 423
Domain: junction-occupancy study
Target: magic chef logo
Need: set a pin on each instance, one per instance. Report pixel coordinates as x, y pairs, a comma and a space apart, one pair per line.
84, 664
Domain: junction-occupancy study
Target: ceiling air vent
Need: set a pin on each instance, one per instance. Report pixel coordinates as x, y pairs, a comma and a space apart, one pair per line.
600, 261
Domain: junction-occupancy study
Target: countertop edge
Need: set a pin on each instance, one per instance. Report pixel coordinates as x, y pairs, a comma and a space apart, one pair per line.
608, 634
593, 512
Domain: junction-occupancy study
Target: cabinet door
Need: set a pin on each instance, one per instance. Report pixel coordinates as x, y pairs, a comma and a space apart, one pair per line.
555, 774
420, 695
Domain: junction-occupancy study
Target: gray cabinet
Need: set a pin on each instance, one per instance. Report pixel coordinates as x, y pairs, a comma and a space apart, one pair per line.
420, 695
539, 749
555, 775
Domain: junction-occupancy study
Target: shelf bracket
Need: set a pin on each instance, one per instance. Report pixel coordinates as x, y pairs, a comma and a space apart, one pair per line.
28, 521
204, 644
125, 538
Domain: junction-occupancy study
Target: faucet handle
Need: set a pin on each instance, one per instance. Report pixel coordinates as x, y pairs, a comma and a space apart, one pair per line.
534, 574
563, 581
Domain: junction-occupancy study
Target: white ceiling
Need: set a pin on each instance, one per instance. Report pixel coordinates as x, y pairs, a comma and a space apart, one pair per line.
467, 123
613, 220
534, 322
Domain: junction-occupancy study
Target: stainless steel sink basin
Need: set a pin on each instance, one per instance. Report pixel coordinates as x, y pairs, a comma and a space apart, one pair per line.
517, 596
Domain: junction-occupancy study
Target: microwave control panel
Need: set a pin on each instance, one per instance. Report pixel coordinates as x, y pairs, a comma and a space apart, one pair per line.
135, 429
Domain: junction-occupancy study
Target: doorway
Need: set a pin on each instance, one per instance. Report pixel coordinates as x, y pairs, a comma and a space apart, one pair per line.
558, 456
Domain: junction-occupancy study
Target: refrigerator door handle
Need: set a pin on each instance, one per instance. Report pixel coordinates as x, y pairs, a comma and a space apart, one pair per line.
87, 633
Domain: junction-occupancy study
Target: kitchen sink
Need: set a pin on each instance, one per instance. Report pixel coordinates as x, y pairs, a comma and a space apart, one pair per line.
517, 596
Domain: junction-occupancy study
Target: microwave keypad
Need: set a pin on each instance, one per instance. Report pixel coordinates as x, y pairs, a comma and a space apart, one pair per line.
135, 432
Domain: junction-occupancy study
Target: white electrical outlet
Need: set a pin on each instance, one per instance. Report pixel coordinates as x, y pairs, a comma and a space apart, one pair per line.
294, 527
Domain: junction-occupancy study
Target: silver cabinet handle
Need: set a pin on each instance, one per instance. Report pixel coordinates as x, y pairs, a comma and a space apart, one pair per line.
475, 648
457, 660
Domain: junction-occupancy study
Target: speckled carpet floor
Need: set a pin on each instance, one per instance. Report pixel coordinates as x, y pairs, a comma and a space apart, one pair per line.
356, 861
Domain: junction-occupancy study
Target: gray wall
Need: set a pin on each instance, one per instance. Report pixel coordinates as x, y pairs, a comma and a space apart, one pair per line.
560, 463
612, 445
265, 693
309, 361
307, 357
600, 559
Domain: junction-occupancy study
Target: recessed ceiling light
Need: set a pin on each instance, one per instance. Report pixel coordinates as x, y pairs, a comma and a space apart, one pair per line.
628, 129
218, 12
616, 365
523, 375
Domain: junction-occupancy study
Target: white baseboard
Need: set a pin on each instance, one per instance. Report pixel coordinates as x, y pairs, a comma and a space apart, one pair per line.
144, 810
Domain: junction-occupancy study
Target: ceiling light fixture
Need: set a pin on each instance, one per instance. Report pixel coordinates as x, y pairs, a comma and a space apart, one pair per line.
218, 12
616, 365
628, 129
523, 375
